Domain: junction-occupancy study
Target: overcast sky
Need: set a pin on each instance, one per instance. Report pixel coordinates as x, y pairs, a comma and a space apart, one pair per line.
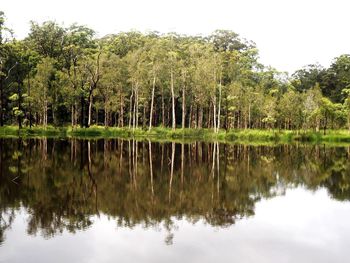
288, 33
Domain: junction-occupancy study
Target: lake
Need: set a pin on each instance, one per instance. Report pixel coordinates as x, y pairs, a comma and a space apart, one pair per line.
70, 200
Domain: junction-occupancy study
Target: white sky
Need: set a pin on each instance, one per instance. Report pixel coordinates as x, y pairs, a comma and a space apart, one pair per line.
288, 33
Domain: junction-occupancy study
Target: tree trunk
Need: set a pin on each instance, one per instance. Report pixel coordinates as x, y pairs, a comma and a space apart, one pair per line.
183, 107
2, 101
249, 115
219, 106
90, 108
214, 113
137, 108
82, 115
106, 115
72, 115
163, 108
121, 117
183, 103
45, 112
144, 116
19, 91
130, 108
152, 101
190, 118
29, 105
173, 99
200, 117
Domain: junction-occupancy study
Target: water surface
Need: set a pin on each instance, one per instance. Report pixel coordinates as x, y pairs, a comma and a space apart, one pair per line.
128, 201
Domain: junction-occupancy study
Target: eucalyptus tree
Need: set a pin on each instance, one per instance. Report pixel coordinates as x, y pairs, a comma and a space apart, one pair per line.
307, 77
203, 85
47, 39
290, 109
346, 105
20, 57
155, 60
336, 79
187, 68
111, 88
138, 80
78, 45
149, 78
5, 66
41, 87
93, 67
312, 112
173, 60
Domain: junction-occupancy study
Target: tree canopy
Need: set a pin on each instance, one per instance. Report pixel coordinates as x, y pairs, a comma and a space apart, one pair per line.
67, 76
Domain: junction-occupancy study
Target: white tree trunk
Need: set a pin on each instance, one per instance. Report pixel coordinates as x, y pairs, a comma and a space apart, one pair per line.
152, 101
173, 99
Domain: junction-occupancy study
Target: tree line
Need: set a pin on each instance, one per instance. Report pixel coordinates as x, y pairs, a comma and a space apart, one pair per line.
67, 76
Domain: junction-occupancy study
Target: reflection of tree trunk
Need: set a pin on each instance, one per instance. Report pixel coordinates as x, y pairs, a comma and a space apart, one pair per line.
94, 184
248, 161
189, 156
218, 168
130, 160
89, 155
134, 162
105, 151
1, 156
200, 151
150, 166
171, 169
213, 161
121, 156
44, 149
182, 162
71, 150
162, 160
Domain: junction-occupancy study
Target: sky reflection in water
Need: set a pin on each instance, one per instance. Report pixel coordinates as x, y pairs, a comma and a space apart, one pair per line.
74, 201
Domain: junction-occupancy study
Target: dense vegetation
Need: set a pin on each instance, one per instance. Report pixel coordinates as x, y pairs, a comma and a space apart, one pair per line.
66, 76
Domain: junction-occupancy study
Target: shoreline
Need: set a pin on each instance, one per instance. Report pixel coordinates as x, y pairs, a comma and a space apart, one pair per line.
167, 134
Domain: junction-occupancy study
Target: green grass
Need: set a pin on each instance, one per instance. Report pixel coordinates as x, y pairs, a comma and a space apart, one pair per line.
167, 134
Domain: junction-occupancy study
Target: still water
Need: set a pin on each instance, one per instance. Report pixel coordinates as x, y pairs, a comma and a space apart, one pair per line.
128, 201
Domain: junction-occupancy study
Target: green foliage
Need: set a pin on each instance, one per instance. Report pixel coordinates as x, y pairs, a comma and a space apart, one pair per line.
65, 75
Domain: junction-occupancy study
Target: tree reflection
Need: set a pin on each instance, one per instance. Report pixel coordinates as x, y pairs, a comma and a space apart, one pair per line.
63, 183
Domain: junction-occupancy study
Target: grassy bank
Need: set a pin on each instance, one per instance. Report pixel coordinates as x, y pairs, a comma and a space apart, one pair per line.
160, 133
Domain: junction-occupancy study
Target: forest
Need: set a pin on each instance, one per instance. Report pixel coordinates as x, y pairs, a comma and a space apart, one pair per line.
67, 76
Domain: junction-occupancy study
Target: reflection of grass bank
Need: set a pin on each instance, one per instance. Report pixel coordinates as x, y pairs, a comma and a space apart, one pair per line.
159, 133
